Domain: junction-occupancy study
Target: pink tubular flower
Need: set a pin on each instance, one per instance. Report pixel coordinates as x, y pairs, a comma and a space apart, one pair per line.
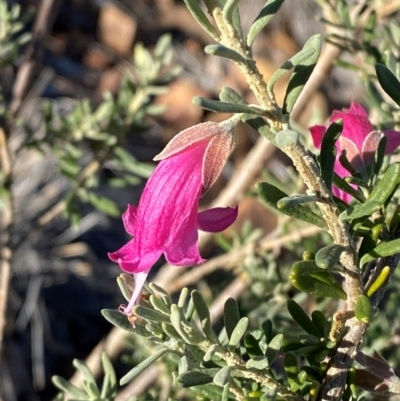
358, 139
167, 219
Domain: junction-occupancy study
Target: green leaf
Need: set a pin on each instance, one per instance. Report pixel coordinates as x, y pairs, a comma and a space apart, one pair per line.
267, 328
225, 393
380, 154
271, 195
387, 185
194, 7
223, 376
286, 138
320, 322
382, 250
103, 204
231, 316
291, 367
329, 256
251, 345
109, 388
295, 200
259, 124
344, 186
258, 362
150, 314
301, 317
69, 388
223, 107
301, 74
89, 380
231, 15
362, 210
328, 152
196, 378
164, 294
308, 277
363, 309
273, 348
225, 52
262, 19
390, 84
143, 365
238, 332
159, 305
118, 319
204, 315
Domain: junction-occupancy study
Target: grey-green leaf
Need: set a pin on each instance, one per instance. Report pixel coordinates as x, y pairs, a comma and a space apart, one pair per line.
258, 362
150, 314
295, 200
69, 388
329, 256
262, 19
223, 376
223, 107
286, 138
118, 319
273, 348
231, 316
204, 315
271, 195
143, 365
301, 74
225, 52
238, 332
194, 7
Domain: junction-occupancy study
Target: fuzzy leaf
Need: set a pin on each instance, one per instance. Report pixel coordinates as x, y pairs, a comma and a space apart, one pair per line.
69, 388
295, 200
223, 107
271, 195
143, 365
363, 210
196, 378
262, 19
238, 333
273, 348
225, 52
204, 315
231, 316
258, 362
150, 314
223, 376
301, 74
194, 7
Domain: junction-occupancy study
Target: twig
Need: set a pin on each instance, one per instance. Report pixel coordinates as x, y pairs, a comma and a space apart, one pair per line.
45, 16
5, 224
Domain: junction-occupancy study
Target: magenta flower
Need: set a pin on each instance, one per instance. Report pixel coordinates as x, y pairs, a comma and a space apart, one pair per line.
358, 139
167, 219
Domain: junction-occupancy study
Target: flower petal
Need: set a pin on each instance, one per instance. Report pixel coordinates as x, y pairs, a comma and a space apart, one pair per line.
393, 140
317, 133
352, 153
217, 153
370, 146
129, 218
356, 125
189, 137
140, 279
217, 219
183, 250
